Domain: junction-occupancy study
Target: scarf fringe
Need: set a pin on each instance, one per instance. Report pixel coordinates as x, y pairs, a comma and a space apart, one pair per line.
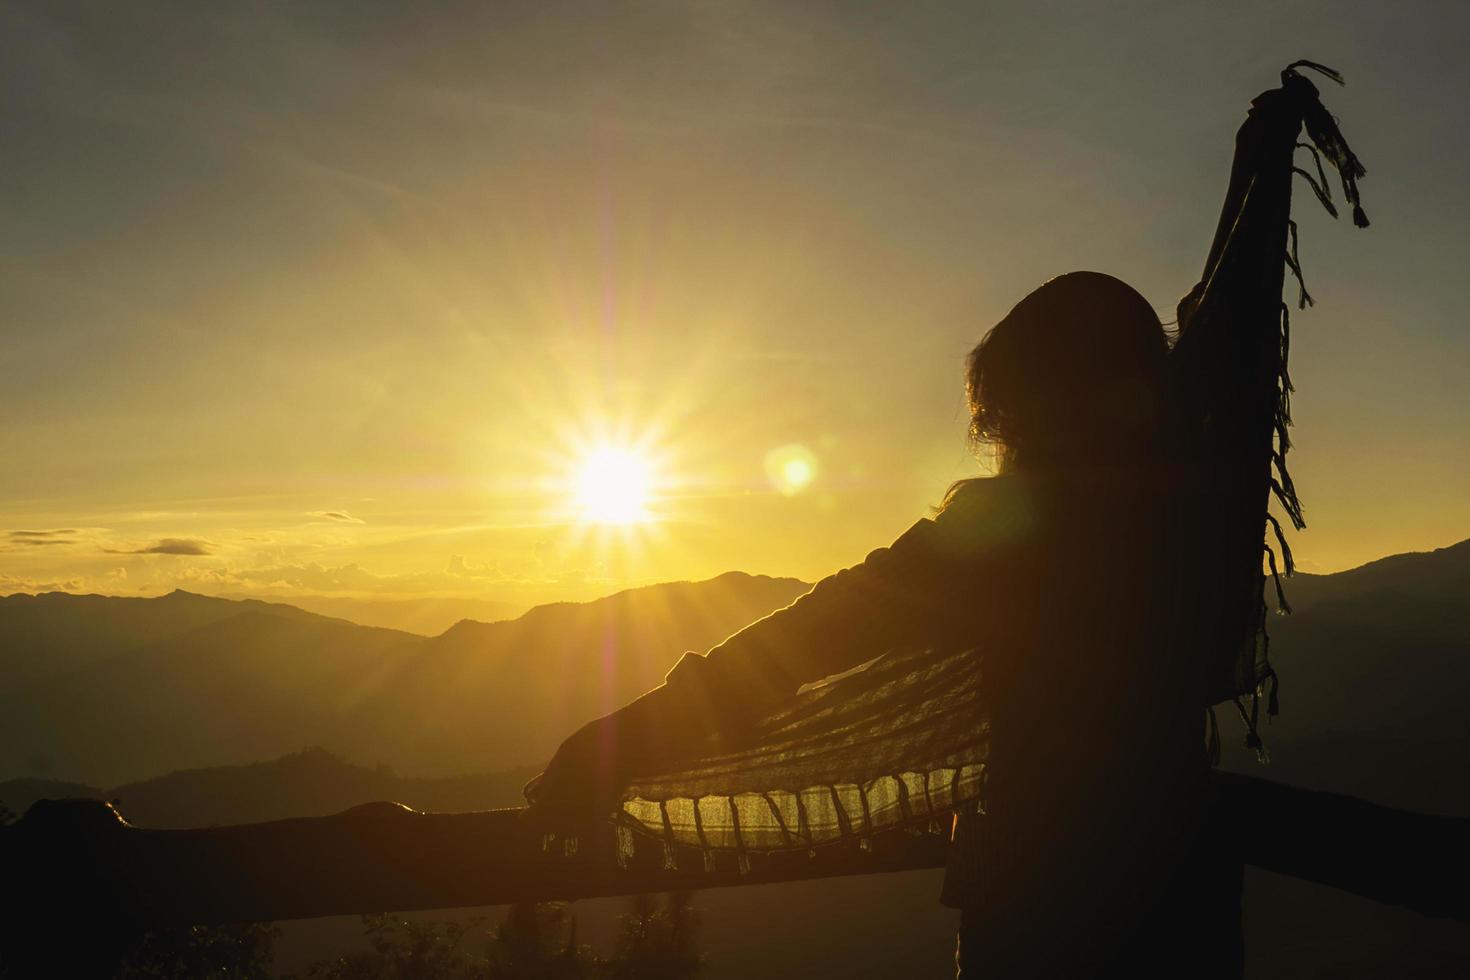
1324, 139
1327, 137
958, 789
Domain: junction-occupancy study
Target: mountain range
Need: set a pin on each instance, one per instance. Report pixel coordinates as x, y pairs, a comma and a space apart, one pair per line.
109, 690
1375, 668
308, 783
423, 614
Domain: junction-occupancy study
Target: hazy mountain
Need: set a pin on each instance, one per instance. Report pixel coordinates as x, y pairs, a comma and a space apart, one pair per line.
1379, 654
1443, 573
426, 616
311, 782
490, 695
126, 688
308, 783
251, 686
16, 795
229, 682
45, 636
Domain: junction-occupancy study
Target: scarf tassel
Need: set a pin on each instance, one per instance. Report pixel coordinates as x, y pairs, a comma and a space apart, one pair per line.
1324, 133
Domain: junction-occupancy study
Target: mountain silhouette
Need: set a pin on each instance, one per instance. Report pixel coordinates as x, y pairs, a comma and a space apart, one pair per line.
48, 635
426, 615
121, 689
225, 682
1376, 664
309, 783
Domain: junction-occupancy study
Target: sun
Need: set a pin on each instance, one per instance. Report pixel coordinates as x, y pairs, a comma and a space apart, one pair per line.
614, 486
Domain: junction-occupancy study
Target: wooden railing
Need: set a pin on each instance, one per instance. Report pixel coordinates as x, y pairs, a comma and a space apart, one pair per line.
81, 884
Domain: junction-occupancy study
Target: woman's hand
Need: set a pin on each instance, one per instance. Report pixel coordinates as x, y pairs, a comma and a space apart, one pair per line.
591, 770
582, 781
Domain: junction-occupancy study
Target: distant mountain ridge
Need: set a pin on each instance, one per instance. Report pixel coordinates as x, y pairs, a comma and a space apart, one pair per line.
142, 686
187, 681
308, 783
1379, 651
427, 616
1442, 572
52, 633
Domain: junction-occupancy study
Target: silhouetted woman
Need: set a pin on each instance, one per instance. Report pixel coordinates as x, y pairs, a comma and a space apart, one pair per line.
1107, 579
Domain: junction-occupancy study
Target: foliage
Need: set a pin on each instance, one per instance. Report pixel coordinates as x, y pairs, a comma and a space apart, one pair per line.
539, 942
657, 942
231, 952
533, 942
399, 949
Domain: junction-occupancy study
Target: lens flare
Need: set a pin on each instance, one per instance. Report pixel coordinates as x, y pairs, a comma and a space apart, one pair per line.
791, 469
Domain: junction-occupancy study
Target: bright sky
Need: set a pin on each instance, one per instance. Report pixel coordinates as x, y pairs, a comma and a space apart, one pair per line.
346, 297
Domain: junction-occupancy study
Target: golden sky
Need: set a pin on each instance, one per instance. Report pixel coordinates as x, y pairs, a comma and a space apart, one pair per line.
337, 298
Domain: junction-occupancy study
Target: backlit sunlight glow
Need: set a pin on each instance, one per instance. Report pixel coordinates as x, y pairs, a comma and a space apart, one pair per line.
614, 486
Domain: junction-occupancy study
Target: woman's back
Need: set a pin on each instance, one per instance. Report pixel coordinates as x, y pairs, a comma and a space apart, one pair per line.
1097, 762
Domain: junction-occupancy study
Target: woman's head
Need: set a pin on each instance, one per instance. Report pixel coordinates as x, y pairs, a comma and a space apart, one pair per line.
1074, 374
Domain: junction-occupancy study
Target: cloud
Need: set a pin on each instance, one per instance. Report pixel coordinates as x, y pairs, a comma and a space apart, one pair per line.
36, 539
460, 568
455, 579
343, 578
177, 546
168, 546
11, 584
337, 516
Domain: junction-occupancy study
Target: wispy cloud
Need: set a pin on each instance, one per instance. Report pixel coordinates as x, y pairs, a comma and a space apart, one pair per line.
337, 516
33, 539
10, 584
168, 546
460, 577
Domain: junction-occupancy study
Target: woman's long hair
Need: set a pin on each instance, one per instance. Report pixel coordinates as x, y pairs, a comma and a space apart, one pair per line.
1073, 375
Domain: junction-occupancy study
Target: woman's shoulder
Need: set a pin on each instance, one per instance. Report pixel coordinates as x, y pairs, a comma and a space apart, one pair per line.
994, 495
987, 513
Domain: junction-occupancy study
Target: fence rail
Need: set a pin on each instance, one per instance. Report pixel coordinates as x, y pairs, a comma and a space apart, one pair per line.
76, 868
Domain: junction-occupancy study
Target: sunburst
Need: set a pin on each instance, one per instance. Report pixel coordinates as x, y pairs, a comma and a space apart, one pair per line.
614, 485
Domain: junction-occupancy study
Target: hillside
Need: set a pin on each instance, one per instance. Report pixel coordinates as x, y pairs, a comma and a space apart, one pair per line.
1380, 652
45, 636
251, 686
16, 795
309, 783
229, 682
490, 695
1376, 654
427, 616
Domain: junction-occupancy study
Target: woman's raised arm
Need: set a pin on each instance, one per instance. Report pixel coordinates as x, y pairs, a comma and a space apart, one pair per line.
1230, 360
1230, 387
